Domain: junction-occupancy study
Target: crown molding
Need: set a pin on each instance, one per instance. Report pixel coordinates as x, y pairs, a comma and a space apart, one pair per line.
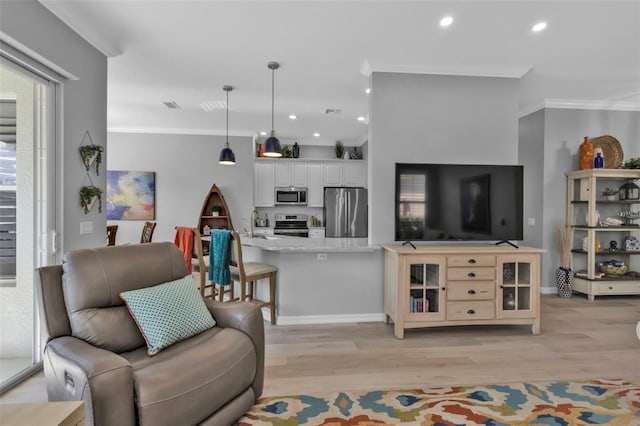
61, 10
580, 104
465, 70
179, 131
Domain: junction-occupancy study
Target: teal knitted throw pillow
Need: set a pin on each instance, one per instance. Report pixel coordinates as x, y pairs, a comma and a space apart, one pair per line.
168, 313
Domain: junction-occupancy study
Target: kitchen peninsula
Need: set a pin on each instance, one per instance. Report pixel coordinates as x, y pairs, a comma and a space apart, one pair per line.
322, 280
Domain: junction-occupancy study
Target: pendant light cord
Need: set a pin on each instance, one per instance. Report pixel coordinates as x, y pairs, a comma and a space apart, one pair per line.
227, 118
273, 72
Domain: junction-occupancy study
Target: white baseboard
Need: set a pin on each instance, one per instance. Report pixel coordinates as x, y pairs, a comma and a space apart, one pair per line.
324, 319
548, 290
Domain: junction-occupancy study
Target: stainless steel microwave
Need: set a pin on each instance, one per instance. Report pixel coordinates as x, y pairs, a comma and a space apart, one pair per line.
291, 196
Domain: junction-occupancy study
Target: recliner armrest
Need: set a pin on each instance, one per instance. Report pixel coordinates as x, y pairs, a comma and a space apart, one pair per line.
76, 370
246, 317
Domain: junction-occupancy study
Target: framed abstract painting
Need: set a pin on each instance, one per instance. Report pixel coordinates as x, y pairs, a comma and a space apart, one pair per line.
131, 195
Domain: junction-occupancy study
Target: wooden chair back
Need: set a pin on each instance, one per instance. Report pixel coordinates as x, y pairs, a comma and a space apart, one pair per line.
111, 234
147, 232
235, 255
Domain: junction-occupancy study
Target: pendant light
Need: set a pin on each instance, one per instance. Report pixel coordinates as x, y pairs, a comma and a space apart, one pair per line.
227, 157
272, 144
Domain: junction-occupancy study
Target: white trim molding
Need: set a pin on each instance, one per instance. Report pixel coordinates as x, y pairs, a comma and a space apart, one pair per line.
325, 319
457, 69
581, 104
179, 131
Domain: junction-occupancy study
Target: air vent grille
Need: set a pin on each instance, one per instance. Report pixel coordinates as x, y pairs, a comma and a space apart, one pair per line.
213, 105
171, 105
332, 111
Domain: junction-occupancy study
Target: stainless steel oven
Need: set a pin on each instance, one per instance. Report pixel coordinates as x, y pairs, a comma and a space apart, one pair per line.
292, 225
291, 196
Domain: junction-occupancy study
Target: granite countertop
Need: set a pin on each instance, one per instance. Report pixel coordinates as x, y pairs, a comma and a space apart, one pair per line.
310, 245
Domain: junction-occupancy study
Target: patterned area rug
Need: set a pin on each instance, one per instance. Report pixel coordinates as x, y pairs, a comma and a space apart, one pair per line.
597, 402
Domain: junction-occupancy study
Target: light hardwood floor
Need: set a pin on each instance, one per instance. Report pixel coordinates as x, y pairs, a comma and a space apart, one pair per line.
578, 340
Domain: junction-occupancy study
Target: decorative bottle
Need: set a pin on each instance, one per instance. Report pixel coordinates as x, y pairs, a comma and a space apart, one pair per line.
296, 150
586, 154
598, 160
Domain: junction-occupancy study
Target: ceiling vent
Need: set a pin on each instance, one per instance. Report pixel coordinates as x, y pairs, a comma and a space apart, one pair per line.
332, 111
209, 106
171, 105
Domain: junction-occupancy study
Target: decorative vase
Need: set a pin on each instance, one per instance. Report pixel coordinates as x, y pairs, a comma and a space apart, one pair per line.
586, 154
564, 282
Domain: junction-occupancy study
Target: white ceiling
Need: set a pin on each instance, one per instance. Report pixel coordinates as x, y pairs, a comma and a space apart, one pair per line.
185, 51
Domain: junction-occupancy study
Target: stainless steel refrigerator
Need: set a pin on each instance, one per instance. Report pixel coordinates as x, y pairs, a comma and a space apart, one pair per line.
345, 212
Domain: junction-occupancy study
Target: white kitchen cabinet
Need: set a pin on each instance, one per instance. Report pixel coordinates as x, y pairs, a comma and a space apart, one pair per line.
353, 173
332, 174
264, 184
315, 184
344, 173
291, 174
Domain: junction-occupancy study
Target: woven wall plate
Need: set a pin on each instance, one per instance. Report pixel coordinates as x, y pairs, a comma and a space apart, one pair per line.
611, 150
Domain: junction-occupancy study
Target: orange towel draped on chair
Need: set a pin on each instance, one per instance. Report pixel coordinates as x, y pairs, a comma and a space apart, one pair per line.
184, 241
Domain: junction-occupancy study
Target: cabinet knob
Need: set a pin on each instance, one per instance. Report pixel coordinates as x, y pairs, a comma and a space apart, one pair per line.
501, 286
610, 288
471, 312
443, 288
471, 274
471, 292
471, 261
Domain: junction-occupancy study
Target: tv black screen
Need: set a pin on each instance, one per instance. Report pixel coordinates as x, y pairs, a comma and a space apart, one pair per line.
463, 202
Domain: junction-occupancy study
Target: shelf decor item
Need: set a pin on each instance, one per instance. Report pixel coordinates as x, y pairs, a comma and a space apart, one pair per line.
339, 149
633, 163
564, 274
609, 193
586, 154
215, 210
90, 154
629, 191
88, 197
611, 150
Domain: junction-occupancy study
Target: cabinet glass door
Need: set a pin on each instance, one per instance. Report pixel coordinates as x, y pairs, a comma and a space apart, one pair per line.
515, 280
426, 295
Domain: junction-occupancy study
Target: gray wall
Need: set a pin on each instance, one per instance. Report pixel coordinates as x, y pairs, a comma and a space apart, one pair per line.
531, 156
564, 130
434, 119
186, 167
84, 106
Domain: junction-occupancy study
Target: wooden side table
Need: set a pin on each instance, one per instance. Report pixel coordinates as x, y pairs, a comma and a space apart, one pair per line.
59, 413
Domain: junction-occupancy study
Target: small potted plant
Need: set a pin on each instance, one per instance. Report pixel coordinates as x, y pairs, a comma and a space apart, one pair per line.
339, 149
609, 193
88, 196
215, 210
89, 154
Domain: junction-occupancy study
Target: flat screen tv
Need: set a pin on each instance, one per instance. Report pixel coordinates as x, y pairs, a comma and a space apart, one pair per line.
464, 202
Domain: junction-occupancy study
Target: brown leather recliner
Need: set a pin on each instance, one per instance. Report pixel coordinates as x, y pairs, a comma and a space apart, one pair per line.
95, 352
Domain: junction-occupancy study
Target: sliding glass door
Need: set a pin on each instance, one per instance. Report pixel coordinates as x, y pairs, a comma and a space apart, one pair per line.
27, 195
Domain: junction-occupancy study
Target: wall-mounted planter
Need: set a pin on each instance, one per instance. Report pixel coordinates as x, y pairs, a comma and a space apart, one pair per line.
88, 197
91, 154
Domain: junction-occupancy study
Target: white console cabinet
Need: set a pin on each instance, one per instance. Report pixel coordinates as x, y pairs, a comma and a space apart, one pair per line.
434, 286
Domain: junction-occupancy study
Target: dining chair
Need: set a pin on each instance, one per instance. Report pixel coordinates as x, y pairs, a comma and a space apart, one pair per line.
248, 274
147, 232
192, 249
111, 234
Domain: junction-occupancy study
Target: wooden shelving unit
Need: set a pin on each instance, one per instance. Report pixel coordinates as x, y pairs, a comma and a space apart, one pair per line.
214, 198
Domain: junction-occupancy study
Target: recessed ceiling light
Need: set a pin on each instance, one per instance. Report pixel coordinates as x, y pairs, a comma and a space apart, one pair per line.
368, 90
263, 133
361, 118
292, 117
316, 135
539, 27
446, 21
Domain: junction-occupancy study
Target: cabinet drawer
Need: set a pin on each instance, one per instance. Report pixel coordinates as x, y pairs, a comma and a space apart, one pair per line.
478, 309
624, 287
471, 260
471, 290
468, 274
